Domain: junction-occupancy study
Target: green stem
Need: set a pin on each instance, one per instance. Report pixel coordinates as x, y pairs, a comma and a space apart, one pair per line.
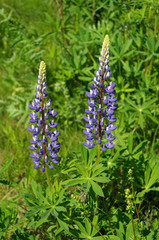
96, 229
106, 211
48, 179
98, 154
135, 203
150, 67
92, 223
57, 226
137, 211
133, 226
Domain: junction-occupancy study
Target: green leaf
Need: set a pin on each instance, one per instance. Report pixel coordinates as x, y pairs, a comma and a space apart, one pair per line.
153, 118
92, 154
139, 147
154, 177
126, 67
6, 182
34, 187
81, 227
76, 59
95, 223
115, 157
97, 169
131, 103
151, 43
60, 209
141, 120
120, 231
84, 153
129, 231
63, 224
130, 142
84, 78
141, 194
97, 189
101, 179
57, 231
126, 46
8, 163
100, 238
88, 226
54, 213
112, 237
41, 221
149, 103
75, 181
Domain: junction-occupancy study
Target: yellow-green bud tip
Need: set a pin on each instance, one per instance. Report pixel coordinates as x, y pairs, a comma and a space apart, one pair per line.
105, 47
106, 41
42, 68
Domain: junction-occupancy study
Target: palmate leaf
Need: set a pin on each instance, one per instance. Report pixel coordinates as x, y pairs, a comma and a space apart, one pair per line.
97, 169
89, 229
42, 204
131, 103
90, 175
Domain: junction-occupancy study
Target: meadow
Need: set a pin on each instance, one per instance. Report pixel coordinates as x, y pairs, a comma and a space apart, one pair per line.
90, 193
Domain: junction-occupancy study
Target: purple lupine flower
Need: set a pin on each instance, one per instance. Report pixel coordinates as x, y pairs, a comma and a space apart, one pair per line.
45, 137
101, 105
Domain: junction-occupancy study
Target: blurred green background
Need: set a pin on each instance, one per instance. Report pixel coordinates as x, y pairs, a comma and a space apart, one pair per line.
68, 36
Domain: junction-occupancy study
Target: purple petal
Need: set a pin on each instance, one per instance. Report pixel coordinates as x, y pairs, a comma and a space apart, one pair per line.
109, 145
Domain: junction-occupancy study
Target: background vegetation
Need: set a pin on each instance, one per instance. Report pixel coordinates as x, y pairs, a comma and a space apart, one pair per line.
86, 201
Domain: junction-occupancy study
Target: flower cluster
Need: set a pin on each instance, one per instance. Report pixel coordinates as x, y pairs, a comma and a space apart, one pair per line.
129, 201
45, 137
100, 114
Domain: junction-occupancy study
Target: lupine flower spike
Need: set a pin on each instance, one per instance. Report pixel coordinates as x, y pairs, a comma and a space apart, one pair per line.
101, 105
44, 144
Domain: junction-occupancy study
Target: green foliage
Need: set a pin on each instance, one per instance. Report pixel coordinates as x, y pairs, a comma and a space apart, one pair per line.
86, 201
89, 173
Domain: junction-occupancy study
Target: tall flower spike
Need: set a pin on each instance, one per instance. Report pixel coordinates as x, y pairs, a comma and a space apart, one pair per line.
44, 144
101, 105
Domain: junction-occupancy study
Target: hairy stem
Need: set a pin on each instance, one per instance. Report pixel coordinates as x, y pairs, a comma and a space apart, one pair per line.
98, 153
44, 144
100, 116
43, 126
48, 179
